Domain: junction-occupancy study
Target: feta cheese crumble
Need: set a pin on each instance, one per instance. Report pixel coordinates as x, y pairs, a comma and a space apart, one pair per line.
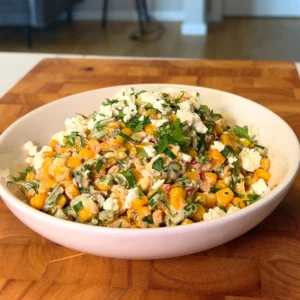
250, 159
231, 160
186, 157
213, 213
111, 204
254, 133
132, 194
218, 146
158, 184
158, 123
232, 210
30, 148
38, 159
151, 152
260, 187
78, 123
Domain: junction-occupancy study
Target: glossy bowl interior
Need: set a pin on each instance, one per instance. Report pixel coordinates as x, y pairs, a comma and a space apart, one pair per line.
39, 125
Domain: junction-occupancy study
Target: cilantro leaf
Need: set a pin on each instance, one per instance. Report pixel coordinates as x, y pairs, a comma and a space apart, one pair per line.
227, 150
136, 124
141, 153
130, 178
158, 164
177, 135
148, 219
242, 132
162, 145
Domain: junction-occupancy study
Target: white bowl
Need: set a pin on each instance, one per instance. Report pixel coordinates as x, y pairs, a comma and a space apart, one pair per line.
39, 125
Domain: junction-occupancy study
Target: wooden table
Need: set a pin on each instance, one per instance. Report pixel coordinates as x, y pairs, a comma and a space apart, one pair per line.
262, 264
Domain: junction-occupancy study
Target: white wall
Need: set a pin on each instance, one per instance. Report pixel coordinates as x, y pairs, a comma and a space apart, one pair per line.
169, 10
268, 8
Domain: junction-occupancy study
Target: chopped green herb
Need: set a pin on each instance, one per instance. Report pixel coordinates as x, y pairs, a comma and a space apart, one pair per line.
130, 178
148, 219
242, 132
227, 150
169, 153
139, 93
136, 124
78, 206
223, 208
214, 189
74, 139
158, 164
141, 153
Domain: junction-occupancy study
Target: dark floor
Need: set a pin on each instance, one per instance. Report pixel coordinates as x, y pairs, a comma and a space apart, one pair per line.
248, 38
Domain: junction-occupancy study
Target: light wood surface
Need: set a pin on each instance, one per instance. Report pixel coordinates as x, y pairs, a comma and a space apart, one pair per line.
262, 264
233, 38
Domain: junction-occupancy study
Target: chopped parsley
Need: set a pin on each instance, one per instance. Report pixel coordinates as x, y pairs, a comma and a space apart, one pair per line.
158, 164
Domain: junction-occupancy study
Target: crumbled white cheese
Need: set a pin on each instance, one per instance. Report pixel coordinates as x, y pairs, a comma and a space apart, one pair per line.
78, 123
141, 118
158, 123
156, 100
218, 146
213, 213
231, 160
111, 204
254, 133
195, 99
186, 157
132, 194
186, 114
250, 159
158, 184
129, 112
260, 187
91, 124
29, 160
38, 159
30, 148
151, 152
232, 210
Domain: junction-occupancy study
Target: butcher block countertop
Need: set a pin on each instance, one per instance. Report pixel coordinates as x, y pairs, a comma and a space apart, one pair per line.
262, 264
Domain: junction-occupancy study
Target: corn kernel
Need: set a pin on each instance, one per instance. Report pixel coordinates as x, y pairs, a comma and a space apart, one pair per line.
30, 176
225, 139
177, 197
238, 202
211, 178
221, 184
127, 131
73, 162
192, 175
38, 201
224, 196
144, 211
62, 201
186, 222
137, 203
265, 163
261, 173
216, 155
86, 154
149, 129
85, 215
198, 216
53, 144
94, 146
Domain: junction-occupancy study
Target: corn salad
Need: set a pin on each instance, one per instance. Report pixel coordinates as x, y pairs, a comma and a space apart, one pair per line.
144, 160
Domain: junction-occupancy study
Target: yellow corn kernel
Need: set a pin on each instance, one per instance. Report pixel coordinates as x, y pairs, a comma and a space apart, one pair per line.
137, 174
246, 142
112, 127
186, 222
211, 178
60, 161
221, 184
105, 145
127, 131
61, 173
137, 203
207, 200
265, 163
144, 211
261, 173
48, 154
38, 201
225, 139
53, 144
86, 154
30, 176
219, 129
73, 162
94, 146
238, 202
173, 117
71, 191
62, 201
46, 184
85, 214
47, 162
103, 186
149, 129
224, 196
121, 153
216, 155
192, 175
152, 113
110, 162
129, 145
198, 216
250, 180
116, 142
192, 153
133, 226
177, 197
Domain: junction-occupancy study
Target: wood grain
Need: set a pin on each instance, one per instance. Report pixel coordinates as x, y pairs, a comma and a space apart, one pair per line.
262, 264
